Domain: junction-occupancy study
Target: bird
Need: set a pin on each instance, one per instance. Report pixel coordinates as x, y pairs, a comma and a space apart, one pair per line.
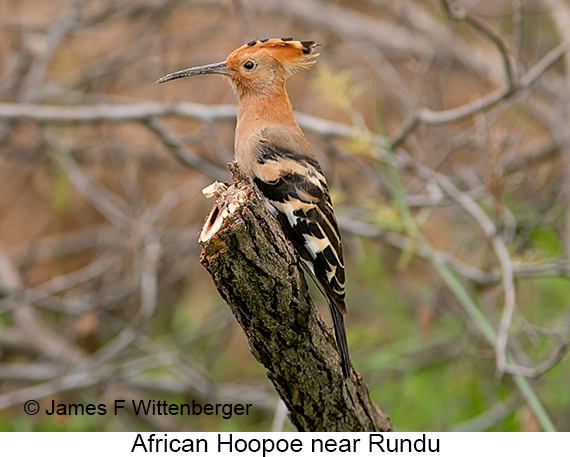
271, 149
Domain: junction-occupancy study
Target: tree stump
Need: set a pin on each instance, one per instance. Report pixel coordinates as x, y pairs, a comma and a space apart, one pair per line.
257, 272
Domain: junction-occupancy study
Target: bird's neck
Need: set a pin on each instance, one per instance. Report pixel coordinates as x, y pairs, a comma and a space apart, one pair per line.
262, 117
272, 107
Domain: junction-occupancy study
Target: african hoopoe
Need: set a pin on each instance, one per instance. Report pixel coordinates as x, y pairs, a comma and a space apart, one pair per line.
271, 149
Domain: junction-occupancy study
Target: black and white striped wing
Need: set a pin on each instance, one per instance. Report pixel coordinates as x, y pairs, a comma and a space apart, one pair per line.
298, 196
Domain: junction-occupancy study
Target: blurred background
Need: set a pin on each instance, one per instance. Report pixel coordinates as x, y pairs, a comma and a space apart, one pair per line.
443, 128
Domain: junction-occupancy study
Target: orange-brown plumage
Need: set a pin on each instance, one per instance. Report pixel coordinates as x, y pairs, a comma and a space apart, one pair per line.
272, 150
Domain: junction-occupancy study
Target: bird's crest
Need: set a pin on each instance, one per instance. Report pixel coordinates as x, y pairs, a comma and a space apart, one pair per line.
291, 54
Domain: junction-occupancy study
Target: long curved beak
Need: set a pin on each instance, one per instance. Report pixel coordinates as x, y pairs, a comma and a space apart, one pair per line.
219, 68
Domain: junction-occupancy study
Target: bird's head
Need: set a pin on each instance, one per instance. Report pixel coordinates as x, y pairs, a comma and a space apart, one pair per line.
258, 65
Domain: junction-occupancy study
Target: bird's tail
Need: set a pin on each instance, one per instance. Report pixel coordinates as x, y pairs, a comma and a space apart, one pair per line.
340, 336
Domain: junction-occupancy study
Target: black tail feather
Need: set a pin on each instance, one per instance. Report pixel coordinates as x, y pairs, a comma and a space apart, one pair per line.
340, 336
338, 323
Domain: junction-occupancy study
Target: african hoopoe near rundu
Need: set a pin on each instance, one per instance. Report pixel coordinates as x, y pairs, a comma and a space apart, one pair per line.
272, 151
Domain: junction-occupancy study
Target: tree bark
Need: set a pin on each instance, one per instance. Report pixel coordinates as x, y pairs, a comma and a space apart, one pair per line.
256, 271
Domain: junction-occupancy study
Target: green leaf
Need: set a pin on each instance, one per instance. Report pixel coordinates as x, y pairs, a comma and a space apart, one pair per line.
546, 241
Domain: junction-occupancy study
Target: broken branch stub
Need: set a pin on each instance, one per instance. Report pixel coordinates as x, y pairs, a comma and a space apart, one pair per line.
256, 271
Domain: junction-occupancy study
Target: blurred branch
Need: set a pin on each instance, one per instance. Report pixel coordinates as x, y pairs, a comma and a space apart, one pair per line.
535, 153
502, 253
509, 301
72, 381
431, 117
402, 242
487, 419
560, 13
149, 252
419, 37
109, 205
114, 113
542, 367
455, 13
47, 341
56, 33
148, 112
67, 243
548, 267
56, 284
469, 305
185, 156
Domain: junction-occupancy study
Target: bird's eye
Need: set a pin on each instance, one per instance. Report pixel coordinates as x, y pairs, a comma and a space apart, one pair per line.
249, 65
